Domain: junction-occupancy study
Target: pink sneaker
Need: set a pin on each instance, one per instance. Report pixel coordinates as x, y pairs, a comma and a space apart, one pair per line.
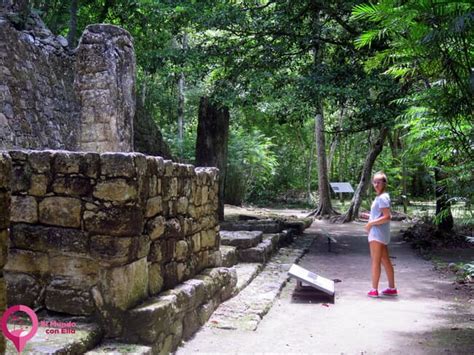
373, 293
390, 292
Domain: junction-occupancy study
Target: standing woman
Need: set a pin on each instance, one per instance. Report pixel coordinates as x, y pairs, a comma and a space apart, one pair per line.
378, 229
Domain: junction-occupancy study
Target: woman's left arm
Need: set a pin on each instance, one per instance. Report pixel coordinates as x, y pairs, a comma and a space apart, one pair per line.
384, 218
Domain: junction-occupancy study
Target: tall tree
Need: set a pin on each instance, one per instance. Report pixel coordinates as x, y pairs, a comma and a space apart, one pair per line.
373, 153
71, 35
211, 142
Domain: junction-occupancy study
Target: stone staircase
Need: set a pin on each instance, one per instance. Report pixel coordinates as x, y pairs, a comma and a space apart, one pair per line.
223, 297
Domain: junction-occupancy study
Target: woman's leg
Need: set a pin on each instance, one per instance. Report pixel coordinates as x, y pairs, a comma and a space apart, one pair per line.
387, 264
376, 256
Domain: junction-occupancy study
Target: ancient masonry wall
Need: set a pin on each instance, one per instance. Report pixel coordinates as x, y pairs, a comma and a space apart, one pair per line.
5, 170
52, 97
98, 233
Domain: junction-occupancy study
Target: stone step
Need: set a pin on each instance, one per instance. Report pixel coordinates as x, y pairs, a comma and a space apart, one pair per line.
263, 225
262, 252
241, 239
287, 236
162, 322
246, 309
229, 255
113, 348
246, 272
60, 335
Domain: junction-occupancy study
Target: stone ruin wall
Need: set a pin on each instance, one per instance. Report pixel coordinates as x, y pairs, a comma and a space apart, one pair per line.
5, 170
52, 97
95, 234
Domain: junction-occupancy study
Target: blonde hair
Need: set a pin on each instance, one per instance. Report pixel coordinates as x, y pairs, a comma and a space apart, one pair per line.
382, 175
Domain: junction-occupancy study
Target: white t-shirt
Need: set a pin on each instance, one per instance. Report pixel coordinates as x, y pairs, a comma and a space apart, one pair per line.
380, 233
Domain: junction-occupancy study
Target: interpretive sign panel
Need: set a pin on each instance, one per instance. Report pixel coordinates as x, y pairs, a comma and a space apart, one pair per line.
312, 279
341, 187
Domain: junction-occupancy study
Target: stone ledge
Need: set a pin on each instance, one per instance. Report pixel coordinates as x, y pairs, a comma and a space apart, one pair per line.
241, 239
85, 337
263, 225
228, 255
163, 321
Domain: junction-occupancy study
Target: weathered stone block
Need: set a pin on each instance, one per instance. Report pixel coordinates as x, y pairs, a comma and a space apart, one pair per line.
18, 155
181, 250
40, 161
154, 206
60, 211
156, 251
119, 250
5, 170
196, 240
72, 186
182, 271
26, 261
168, 250
134, 276
24, 209
191, 324
62, 297
170, 275
81, 272
67, 162
156, 227
147, 321
115, 221
117, 165
171, 188
5, 201
155, 278
173, 229
3, 294
23, 289
182, 205
20, 178
48, 239
4, 244
205, 195
205, 311
259, 254
90, 165
229, 255
215, 258
241, 239
39, 185
208, 238
119, 190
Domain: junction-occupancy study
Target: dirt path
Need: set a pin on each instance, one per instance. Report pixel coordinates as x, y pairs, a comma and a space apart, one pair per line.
429, 317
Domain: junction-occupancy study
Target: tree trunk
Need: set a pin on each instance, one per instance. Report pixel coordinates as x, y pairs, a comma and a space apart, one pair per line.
71, 36
335, 141
324, 206
443, 207
365, 176
211, 142
310, 163
181, 103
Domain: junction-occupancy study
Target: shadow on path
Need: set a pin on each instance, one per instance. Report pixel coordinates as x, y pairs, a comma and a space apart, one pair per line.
428, 317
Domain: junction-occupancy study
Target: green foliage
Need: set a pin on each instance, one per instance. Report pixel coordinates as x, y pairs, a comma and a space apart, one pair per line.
251, 164
406, 65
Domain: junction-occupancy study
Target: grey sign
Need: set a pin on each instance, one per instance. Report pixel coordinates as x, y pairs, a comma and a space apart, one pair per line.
312, 279
341, 187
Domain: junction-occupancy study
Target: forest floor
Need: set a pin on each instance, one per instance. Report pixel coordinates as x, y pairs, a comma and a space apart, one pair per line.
432, 314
